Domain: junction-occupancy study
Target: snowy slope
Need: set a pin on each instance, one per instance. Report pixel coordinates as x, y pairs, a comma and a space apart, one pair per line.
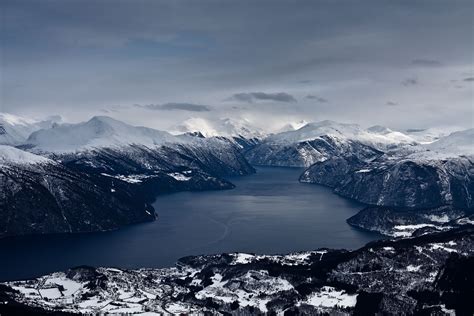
223, 127
457, 143
378, 137
292, 126
451, 146
12, 155
429, 135
15, 129
321, 282
99, 131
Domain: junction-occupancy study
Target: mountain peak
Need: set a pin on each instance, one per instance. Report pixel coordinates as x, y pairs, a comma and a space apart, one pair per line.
99, 131
220, 127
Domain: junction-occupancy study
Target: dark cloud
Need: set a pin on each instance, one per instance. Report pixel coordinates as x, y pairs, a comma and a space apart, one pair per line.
391, 103
176, 107
410, 82
426, 62
315, 97
469, 79
251, 97
305, 81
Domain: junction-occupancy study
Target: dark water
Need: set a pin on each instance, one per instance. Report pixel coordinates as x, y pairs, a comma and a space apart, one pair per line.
269, 212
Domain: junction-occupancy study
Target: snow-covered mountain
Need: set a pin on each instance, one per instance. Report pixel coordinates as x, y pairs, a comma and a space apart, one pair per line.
401, 183
222, 127
292, 126
431, 175
455, 144
377, 166
40, 196
379, 137
108, 187
11, 155
429, 135
99, 131
306, 153
62, 169
319, 141
14, 130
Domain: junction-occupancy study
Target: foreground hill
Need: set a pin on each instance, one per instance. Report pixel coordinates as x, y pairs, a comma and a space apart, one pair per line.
428, 275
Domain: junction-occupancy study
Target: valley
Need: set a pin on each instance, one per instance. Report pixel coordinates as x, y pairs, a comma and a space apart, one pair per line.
335, 191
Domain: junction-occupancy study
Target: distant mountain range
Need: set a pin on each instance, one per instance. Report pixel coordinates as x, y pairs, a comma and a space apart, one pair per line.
14, 130
223, 127
377, 166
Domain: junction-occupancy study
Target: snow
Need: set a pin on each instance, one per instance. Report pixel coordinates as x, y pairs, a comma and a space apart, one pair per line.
99, 131
465, 221
378, 137
412, 268
242, 258
26, 290
15, 120
14, 130
51, 293
330, 297
70, 286
220, 127
134, 178
177, 308
449, 312
441, 246
180, 177
292, 126
438, 218
407, 230
93, 303
257, 282
457, 143
12, 155
291, 259
429, 135
454, 145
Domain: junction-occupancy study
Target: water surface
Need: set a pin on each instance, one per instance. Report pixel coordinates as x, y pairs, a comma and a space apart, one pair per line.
268, 212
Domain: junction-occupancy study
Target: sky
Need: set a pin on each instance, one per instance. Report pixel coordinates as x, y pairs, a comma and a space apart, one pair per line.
402, 64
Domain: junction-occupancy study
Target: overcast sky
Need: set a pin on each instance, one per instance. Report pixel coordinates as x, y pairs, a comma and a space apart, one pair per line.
404, 64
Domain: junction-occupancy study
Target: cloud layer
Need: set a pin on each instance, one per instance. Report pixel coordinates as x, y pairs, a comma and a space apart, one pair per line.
173, 106
77, 57
251, 97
